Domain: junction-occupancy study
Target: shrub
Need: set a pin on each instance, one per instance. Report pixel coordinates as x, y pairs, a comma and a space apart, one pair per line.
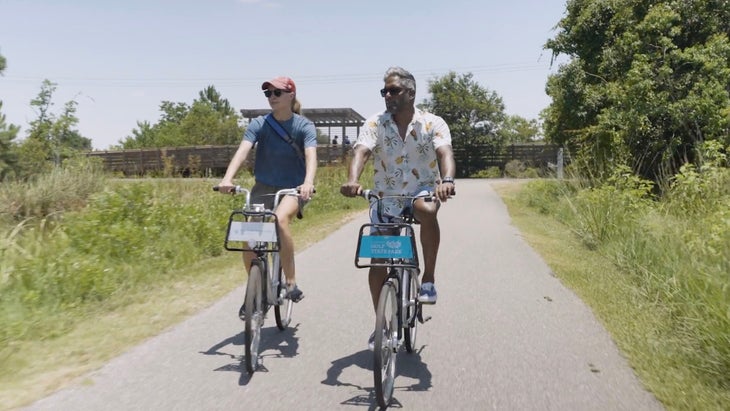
490, 172
514, 169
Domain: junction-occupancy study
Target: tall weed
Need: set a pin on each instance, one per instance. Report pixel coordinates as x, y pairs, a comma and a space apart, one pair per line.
674, 249
133, 234
62, 189
610, 209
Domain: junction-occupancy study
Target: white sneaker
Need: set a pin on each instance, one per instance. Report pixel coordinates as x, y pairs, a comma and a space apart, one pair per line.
428, 294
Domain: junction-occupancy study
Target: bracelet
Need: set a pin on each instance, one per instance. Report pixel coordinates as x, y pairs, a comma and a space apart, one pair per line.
447, 180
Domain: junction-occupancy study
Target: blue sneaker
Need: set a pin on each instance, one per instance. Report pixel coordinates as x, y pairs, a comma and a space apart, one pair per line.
294, 293
427, 295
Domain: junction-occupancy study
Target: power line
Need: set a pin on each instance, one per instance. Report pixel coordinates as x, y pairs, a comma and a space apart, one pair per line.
316, 79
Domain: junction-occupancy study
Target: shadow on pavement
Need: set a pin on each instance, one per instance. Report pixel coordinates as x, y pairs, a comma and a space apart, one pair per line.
282, 344
408, 365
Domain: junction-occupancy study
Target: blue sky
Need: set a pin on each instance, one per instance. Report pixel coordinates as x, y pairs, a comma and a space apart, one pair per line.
119, 60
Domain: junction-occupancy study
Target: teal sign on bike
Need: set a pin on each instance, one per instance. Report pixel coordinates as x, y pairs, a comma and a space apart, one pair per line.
385, 246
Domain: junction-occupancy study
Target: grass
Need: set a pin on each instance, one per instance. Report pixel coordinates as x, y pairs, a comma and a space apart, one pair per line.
632, 279
643, 288
61, 340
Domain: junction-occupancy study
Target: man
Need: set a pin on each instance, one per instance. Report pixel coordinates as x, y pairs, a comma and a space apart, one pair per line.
412, 154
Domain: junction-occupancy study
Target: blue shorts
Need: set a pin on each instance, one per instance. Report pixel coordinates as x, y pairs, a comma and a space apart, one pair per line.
394, 209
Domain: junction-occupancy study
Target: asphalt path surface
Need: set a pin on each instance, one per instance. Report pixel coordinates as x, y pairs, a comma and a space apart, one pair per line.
505, 335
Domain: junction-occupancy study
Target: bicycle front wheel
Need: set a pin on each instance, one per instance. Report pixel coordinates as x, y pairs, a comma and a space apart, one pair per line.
254, 308
410, 306
284, 306
386, 343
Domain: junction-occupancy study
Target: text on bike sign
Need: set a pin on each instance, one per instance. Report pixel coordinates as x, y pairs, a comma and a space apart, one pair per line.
385, 246
252, 231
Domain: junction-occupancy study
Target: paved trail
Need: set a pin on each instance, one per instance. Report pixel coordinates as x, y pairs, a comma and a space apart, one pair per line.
505, 335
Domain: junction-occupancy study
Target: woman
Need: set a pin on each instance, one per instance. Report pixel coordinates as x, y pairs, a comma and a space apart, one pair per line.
286, 157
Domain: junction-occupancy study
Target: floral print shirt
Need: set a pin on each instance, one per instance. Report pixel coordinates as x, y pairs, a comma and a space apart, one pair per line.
404, 166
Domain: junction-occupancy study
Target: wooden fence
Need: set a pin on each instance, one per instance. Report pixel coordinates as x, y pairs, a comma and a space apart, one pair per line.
213, 160
210, 160
472, 159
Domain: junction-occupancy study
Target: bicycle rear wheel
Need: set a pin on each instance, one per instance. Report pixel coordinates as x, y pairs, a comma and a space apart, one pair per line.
284, 306
386, 343
254, 308
410, 306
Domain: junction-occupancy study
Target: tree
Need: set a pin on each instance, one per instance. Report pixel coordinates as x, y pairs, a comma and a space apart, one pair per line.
647, 83
516, 129
474, 114
475, 117
8, 156
8, 132
50, 137
210, 120
211, 97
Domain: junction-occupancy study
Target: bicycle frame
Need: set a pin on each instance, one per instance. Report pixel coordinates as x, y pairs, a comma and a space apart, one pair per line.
377, 247
256, 229
391, 246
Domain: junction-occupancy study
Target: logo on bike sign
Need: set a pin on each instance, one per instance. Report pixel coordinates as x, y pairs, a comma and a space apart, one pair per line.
385, 246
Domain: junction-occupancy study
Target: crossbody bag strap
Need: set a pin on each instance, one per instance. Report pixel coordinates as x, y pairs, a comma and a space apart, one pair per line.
284, 135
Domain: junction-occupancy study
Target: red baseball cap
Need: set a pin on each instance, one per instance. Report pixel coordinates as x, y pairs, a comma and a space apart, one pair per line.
282, 83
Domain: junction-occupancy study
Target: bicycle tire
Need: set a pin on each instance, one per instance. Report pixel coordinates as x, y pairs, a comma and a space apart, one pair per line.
410, 309
284, 306
386, 336
254, 308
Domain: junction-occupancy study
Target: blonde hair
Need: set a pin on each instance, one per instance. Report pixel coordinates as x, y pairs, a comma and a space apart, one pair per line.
296, 106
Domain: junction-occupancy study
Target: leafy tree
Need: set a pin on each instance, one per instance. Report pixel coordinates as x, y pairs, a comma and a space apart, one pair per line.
648, 82
473, 113
211, 97
210, 120
475, 116
173, 112
516, 129
50, 137
8, 132
8, 157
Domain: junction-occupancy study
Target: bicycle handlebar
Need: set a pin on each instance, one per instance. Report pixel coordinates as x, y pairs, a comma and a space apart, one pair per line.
369, 194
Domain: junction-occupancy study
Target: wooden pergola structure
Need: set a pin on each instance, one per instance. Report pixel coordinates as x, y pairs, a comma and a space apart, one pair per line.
322, 118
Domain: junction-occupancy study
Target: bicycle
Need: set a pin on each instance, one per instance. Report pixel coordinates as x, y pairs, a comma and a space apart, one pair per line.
255, 228
393, 246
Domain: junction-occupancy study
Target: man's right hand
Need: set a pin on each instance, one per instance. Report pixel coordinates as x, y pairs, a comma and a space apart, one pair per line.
350, 189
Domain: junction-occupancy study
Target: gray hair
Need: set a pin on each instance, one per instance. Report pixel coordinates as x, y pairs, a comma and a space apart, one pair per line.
406, 78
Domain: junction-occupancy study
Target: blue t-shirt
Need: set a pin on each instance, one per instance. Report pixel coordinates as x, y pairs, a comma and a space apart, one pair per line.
277, 163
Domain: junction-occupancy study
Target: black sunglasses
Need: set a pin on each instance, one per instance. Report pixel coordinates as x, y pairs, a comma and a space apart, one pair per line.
276, 92
393, 91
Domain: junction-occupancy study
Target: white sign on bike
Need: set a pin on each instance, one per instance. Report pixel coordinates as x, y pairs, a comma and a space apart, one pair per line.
252, 231
385, 246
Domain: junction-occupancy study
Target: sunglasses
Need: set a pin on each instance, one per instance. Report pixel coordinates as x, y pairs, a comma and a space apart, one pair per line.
393, 91
276, 92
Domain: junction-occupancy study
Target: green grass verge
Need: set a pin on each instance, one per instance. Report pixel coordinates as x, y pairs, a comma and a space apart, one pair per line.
94, 331
638, 325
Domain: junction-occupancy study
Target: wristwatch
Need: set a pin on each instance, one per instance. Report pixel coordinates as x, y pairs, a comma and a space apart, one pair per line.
447, 180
